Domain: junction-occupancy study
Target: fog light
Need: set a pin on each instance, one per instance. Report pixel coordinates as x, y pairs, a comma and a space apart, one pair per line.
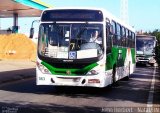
83, 81
52, 80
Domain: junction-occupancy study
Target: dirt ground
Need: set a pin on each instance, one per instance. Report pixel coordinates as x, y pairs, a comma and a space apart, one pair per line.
17, 47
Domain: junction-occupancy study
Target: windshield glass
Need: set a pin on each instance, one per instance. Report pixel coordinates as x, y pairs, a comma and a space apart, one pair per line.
70, 41
146, 46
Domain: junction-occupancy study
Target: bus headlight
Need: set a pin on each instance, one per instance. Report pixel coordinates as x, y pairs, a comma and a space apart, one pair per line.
96, 70
92, 72
42, 68
152, 60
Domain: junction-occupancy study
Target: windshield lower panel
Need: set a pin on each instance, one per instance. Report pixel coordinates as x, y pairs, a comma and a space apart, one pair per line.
70, 41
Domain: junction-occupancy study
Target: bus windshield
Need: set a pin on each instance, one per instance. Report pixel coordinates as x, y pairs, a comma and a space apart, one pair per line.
70, 41
145, 45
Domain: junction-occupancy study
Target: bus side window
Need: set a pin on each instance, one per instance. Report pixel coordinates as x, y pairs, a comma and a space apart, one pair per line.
127, 38
133, 40
109, 37
130, 39
123, 37
118, 35
113, 25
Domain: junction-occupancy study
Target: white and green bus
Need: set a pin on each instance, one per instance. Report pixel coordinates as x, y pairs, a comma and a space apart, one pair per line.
145, 49
67, 56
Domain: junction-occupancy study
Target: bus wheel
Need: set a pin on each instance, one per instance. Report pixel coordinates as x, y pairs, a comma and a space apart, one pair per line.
126, 78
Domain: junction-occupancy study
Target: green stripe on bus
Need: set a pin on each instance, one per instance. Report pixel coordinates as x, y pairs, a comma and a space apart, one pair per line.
133, 55
63, 71
113, 56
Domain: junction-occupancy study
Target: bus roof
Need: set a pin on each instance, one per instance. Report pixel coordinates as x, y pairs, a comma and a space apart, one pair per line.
145, 36
106, 14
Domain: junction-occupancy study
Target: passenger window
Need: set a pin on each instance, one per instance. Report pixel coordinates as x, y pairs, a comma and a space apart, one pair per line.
114, 33
108, 41
123, 37
127, 38
133, 40
118, 35
130, 39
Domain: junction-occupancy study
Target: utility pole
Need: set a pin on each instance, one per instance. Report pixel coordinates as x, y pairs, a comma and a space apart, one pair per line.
124, 11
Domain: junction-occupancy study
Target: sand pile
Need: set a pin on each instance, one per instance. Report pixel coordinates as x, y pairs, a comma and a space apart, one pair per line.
17, 46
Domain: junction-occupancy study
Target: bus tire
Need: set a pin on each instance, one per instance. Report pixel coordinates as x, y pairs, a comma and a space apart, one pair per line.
126, 78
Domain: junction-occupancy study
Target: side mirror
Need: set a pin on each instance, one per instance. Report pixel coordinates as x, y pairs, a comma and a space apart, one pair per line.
31, 33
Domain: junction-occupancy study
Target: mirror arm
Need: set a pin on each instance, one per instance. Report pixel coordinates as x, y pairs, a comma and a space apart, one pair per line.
32, 28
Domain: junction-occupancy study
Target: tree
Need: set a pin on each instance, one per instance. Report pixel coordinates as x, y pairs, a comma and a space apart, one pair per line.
156, 33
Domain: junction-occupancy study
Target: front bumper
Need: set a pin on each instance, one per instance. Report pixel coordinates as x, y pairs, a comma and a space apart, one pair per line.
100, 80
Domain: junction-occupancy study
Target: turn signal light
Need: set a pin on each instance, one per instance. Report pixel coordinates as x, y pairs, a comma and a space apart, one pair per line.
93, 81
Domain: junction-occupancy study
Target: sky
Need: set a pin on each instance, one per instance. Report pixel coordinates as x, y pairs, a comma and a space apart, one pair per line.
143, 14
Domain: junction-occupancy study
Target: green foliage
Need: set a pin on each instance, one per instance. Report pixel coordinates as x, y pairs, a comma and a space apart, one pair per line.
157, 52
